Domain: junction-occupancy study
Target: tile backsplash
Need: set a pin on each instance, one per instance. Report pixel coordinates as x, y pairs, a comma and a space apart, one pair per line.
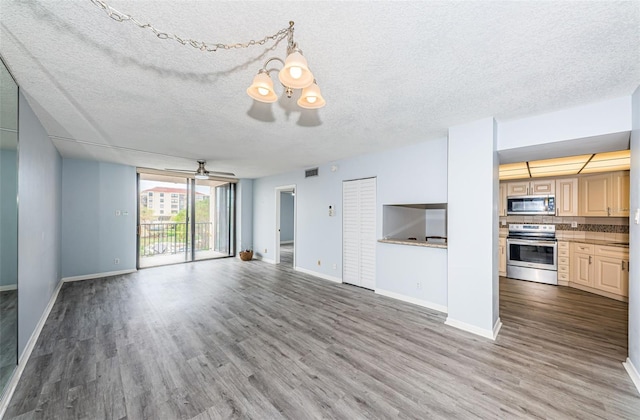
615, 229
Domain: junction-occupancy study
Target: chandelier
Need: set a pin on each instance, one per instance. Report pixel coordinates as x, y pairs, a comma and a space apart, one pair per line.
295, 73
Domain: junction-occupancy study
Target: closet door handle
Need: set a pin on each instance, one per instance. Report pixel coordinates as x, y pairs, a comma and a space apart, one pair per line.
622, 265
589, 259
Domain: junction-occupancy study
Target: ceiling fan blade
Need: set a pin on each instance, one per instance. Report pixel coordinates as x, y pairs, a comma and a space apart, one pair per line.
177, 170
208, 172
221, 173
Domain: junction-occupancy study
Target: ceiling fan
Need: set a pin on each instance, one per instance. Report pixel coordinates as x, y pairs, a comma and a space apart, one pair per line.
201, 172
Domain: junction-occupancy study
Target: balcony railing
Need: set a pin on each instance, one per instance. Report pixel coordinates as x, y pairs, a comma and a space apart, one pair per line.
168, 238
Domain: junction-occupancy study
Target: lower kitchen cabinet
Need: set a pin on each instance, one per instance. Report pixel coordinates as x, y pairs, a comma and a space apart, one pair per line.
611, 268
582, 264
600, 269
502, 249
563, 263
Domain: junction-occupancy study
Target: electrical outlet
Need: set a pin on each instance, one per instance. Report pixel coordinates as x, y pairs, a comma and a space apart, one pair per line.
335, 266
503, 222
116, 261
574, 224
318, 262
418, 285
118, 212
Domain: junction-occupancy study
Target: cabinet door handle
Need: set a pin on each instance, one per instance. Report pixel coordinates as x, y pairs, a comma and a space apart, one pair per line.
622, 265
589, 259
608, 211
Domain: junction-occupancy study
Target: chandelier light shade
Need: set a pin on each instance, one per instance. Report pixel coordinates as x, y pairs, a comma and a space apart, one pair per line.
311, 97
295, 73
262, 88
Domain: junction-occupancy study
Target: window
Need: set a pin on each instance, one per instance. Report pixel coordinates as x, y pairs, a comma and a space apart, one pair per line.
161, 206
174, 206
150, 193
161, 194
161, 211
174, 195
162, 200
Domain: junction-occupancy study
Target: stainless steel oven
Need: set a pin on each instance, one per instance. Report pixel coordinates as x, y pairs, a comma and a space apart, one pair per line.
532, 253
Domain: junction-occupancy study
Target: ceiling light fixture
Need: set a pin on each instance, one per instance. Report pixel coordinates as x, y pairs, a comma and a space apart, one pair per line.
294, 74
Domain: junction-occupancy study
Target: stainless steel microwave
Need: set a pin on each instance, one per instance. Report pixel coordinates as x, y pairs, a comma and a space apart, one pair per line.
531, 205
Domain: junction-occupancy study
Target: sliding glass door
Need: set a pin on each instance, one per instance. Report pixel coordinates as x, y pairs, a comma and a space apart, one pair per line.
214, 219
182, 219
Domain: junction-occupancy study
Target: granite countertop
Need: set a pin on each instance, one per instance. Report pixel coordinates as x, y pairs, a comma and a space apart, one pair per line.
424, 244
598, 242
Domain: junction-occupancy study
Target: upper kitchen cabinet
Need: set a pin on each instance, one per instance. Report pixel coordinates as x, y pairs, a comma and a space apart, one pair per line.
620, 194
604, 195
567, 197
502, 206
538, 187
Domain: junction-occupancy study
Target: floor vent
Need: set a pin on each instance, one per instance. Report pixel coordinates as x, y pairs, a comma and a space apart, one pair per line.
311, 172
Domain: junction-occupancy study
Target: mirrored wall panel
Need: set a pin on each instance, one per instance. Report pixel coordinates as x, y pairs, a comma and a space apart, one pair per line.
8, 225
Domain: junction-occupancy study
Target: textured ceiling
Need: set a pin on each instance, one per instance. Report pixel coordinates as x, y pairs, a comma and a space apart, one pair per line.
393, 73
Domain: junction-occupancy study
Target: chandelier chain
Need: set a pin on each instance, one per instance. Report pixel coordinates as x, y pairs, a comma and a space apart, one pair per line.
200, 45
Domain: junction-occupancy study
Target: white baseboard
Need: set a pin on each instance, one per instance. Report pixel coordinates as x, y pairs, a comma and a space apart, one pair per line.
633, 373
490, 334
26, 353
320, 275
261, 258
415, 301
98, 275
8, 287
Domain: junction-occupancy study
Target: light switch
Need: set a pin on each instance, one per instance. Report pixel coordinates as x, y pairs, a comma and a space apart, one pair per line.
636, 217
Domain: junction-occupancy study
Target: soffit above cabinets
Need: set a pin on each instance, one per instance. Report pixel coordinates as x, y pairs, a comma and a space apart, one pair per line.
571, 165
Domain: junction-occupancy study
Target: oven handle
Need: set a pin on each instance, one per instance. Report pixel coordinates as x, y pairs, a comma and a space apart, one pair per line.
533, 242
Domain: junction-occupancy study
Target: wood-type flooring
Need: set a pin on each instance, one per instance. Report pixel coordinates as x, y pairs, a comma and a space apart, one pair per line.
231, 339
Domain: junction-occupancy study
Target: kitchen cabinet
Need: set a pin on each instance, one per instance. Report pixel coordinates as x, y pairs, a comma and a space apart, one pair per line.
604, 195
564, 268
502, 256
567, 197
582, 264
600, 269
502, 205
611, 266
538, 187
620, 194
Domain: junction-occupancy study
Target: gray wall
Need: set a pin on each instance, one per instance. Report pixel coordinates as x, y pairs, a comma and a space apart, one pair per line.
634, 237
286, 217
244, 215
8, 217
473, 227
93, 236
412, 174
39, 186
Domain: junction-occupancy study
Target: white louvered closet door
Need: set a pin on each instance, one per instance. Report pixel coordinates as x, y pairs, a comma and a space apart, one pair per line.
359, 232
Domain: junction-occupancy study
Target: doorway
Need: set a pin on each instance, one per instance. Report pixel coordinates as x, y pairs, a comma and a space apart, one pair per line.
285, 226
182, 219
